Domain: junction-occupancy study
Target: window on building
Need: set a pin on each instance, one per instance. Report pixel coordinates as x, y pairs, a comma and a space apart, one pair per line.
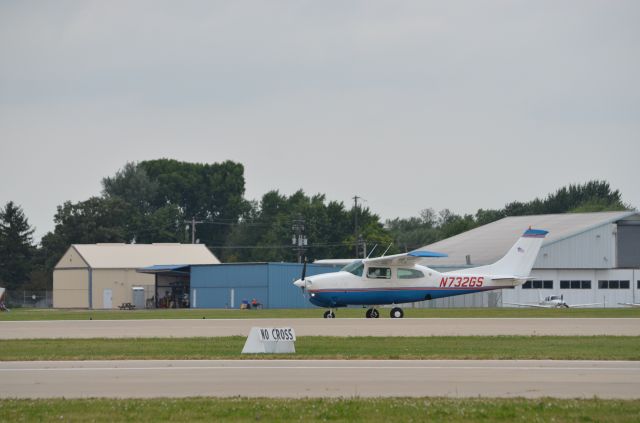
537, 284
379, 273
575, 284
638, 284
614, 284
409, 274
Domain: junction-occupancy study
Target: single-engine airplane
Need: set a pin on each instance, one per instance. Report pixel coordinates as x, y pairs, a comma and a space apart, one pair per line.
399, 279
553, 301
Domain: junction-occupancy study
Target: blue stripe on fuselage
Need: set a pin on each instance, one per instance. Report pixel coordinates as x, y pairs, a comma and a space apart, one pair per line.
379, 297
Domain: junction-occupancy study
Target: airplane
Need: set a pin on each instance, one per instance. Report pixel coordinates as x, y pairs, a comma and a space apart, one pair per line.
553, 301
399, 279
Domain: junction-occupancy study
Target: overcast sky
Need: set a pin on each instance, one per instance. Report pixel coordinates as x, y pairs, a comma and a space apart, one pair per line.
413, 104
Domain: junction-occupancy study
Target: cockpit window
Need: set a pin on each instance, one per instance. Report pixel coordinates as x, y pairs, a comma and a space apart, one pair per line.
354, 268
410, 274
379, 273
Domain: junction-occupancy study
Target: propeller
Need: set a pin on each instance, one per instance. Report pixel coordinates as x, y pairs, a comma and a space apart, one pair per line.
302, 283
304, 269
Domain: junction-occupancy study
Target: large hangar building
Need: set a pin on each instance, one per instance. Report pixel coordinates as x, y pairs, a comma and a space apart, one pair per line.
105, 276
586, 257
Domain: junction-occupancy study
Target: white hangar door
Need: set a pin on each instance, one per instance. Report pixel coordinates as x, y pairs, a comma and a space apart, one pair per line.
107, 298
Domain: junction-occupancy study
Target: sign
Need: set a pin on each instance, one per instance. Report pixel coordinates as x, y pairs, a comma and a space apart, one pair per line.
270, 341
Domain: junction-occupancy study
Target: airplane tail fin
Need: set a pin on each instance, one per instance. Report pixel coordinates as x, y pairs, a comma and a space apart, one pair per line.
520, 258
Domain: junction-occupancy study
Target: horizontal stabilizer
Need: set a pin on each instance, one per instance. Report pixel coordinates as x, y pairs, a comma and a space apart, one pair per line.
426, 254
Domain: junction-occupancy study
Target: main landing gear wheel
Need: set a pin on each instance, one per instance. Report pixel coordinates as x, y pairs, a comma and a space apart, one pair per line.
396, 313
329, 314
372, 313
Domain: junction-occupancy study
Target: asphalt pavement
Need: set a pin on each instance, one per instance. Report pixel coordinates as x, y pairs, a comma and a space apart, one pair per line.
320, 378
181, 328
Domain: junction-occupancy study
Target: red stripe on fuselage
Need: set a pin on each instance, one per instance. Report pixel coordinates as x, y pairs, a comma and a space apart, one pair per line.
430, 288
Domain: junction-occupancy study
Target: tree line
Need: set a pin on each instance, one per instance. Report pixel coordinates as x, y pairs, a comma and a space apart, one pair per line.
157, 201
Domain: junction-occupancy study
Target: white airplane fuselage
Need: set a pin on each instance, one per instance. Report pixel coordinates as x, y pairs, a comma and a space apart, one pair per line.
344, 288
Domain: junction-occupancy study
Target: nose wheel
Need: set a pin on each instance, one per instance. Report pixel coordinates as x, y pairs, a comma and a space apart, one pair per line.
372, 313
396, 313
329, 314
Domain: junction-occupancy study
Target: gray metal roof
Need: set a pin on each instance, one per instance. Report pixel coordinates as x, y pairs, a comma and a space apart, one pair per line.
486, 244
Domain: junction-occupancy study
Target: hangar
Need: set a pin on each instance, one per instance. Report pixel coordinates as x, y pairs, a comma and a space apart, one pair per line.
229, 285
104, 275
587, 258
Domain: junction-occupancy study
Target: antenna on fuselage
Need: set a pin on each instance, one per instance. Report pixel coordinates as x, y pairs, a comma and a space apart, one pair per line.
372, 250
385, 251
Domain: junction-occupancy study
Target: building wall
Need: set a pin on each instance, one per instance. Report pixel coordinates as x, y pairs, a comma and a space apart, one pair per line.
120, 282
226, 285
593, 249
70, 288
628, 245
607, 297
71, 259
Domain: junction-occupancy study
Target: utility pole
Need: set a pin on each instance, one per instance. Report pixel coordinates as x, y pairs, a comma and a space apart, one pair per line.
299, 240
193, 222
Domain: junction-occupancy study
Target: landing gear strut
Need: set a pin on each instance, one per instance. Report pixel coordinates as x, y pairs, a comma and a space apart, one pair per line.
396, 313
329, 314
372, 313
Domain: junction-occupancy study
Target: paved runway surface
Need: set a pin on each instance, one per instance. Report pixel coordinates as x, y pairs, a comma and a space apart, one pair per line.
325, 378
315, 327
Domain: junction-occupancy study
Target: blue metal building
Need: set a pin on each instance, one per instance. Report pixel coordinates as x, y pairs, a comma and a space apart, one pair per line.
227, 285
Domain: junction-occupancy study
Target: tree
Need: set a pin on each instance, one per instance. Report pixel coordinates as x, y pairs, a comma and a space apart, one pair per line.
164, 193
132, 185
267, 226
87, 222
16, 249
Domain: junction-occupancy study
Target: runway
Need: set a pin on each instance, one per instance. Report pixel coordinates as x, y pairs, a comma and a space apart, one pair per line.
181, 328
320, 378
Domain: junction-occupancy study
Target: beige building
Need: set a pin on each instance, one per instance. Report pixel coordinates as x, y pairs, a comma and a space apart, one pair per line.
104, 276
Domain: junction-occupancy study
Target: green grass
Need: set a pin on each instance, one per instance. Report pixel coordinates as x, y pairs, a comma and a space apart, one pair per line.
335, 410
320, 347
51, 314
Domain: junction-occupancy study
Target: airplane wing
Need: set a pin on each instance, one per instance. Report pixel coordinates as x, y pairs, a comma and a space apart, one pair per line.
530, 305
583, 305
405, 259
630, 304
339, 262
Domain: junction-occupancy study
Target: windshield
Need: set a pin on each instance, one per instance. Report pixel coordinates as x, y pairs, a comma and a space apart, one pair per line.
355, 268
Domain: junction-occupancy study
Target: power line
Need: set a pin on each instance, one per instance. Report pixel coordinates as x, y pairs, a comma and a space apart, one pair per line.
319, 245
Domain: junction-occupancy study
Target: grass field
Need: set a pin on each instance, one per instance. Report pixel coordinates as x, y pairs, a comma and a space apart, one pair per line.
319, 347
335, 410
51, 314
